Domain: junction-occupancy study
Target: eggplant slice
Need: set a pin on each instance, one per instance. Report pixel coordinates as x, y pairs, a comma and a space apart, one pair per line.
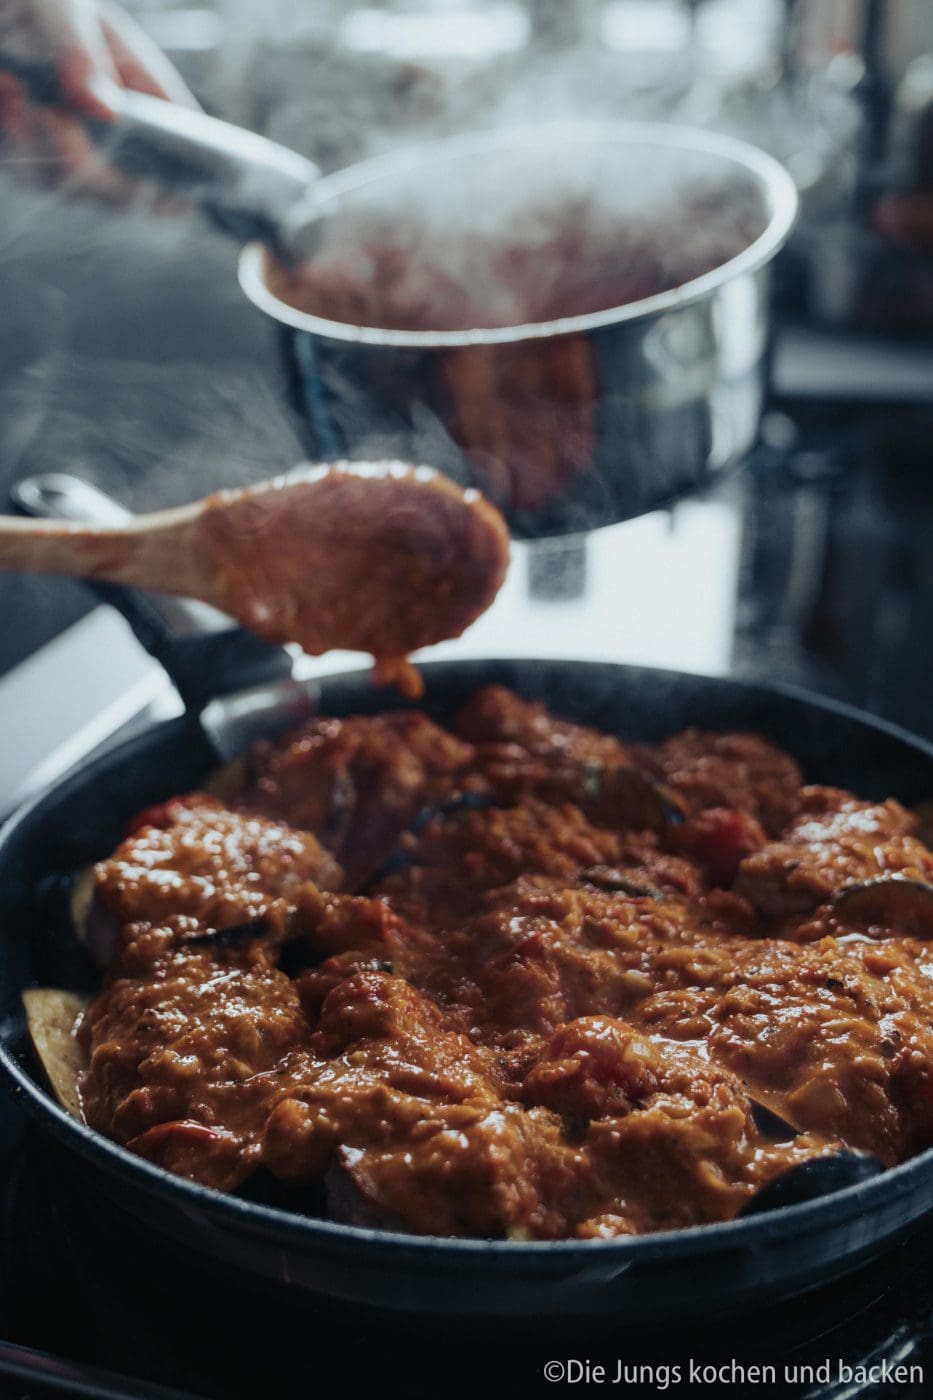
51, 1016
808, 1181
93, 927
82, 897
623, 795
402, 858
890, 902
619, 880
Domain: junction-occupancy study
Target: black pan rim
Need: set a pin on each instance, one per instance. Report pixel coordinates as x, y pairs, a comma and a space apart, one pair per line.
849, 1203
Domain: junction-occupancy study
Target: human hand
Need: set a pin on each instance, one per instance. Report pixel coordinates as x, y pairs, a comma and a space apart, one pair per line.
94, 49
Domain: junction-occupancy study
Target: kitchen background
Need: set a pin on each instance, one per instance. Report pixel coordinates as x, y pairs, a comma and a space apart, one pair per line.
130, 357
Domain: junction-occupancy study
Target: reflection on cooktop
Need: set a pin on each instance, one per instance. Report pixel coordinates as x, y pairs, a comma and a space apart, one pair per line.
836, 588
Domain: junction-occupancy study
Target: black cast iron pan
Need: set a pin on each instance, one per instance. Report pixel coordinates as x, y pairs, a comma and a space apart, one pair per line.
708, 1272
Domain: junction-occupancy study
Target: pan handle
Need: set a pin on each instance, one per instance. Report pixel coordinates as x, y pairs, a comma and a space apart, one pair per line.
203, 652
250, 186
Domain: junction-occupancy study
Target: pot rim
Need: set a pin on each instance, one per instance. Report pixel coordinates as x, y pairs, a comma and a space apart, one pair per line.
773, 180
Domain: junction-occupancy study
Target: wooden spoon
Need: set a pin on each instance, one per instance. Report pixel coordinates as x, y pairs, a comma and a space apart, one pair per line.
365, 556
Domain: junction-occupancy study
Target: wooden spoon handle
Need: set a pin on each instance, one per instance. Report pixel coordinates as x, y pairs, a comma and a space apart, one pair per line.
60, 549
133, 554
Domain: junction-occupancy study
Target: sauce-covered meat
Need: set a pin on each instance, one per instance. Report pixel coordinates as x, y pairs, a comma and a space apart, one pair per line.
513, 979
836, 841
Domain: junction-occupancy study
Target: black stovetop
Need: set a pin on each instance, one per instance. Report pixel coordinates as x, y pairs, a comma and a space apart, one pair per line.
73, 1283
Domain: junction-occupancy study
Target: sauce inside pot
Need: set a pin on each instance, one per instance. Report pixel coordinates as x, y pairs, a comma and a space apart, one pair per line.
522, 239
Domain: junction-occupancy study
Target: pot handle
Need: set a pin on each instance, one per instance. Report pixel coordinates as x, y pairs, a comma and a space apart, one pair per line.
203, 652
250, 186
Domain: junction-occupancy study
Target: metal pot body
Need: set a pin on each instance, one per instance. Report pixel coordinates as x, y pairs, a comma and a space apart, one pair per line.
657, 408
635, 1281
569, 424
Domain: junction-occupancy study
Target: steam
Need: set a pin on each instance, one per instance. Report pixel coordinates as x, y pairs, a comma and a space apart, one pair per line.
558, 227
129, 356
342, 82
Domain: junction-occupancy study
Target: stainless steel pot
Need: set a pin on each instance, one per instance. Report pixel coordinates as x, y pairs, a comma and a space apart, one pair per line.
567, 424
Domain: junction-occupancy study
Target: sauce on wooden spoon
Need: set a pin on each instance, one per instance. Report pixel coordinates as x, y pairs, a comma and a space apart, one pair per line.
381, 557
